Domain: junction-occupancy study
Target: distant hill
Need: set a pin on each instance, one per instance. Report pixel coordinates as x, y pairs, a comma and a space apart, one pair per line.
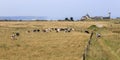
23, 18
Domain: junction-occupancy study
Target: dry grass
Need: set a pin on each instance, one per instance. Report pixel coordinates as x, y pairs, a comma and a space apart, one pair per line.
40, 46
107, 47
52, 45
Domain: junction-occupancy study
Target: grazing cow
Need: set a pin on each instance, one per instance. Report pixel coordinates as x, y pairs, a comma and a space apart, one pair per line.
64, 29
86, 31
17, 34
13, 37
57, 29
35, 30
69, 29
49, 29
98, 35
46, 30
28, 31
38, 30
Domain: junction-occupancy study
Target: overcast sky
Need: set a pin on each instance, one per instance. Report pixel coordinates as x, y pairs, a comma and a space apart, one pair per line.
59, 8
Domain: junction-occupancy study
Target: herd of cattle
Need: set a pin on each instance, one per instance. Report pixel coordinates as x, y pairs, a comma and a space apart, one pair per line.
66, 30
16, 34
52, 29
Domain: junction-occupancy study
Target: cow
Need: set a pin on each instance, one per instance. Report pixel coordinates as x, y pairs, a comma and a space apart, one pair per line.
64, 29
57, 29
69, 29
28, 31
34, 30
38, 30
13, 37
46, 30
86, 31
17, 33
98, 35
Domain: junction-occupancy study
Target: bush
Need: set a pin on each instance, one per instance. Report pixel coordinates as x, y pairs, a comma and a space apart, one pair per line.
97, 28
93, 27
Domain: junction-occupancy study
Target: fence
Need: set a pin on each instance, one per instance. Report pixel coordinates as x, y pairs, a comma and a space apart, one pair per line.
87, 47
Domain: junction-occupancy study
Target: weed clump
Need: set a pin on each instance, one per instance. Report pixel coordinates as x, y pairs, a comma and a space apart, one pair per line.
96, 28
93, 27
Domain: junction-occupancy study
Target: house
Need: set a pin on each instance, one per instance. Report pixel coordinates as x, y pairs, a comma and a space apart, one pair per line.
97, 17
87, 17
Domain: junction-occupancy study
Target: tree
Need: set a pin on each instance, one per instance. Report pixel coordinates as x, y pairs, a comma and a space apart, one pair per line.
66, 19
71, 19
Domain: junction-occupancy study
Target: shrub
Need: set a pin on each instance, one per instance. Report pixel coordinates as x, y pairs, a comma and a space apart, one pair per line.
93, 27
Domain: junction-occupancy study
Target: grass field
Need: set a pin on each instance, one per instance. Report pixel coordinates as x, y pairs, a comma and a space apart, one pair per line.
59, 46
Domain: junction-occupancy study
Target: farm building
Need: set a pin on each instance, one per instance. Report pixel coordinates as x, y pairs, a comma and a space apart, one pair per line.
87, 17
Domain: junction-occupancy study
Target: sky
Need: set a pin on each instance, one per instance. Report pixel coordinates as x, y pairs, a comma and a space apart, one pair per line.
58, 9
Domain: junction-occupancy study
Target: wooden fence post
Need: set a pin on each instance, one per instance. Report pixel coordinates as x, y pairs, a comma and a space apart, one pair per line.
87, 47
91, 35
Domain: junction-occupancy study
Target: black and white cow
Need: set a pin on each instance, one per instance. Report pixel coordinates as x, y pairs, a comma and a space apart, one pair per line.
64, 29
98, 35
86, 31
15, 35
